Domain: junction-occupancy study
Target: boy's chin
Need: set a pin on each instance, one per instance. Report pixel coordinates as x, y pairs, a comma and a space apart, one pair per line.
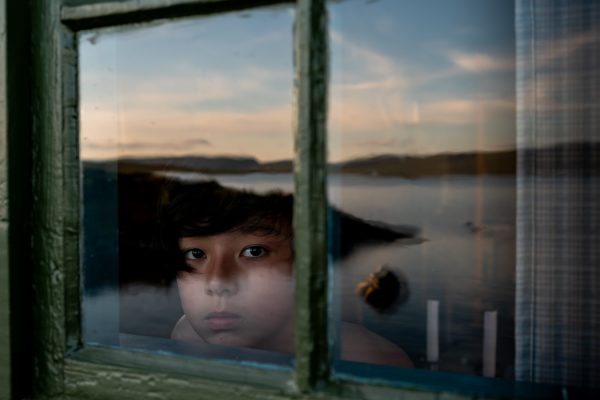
230, 340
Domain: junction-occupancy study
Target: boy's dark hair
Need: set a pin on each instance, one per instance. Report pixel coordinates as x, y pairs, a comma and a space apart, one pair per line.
207, 208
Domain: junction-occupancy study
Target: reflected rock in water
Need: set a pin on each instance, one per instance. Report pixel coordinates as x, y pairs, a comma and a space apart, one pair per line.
383, 289
349, 233
472, 227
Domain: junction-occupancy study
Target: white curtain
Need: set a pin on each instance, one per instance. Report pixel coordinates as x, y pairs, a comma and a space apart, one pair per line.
558, 219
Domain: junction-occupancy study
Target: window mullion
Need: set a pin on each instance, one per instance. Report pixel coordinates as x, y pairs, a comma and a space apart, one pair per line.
310, 213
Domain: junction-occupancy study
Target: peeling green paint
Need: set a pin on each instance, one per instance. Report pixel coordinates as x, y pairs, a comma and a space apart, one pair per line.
5, 376
3, 121
310, 229
88, 15
94, 381
48, 200
182, 368
72, 202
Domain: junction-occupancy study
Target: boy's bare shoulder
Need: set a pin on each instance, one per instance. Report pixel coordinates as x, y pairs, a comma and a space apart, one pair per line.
362, 345
358, 344
183, 330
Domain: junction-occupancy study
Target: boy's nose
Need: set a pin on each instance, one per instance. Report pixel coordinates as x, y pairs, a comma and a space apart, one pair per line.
218, 286
222, 278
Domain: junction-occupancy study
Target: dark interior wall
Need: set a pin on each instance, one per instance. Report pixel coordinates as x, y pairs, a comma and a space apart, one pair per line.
18, 163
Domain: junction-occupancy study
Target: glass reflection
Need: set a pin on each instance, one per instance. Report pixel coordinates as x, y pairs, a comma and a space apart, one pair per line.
186, 148
422, 149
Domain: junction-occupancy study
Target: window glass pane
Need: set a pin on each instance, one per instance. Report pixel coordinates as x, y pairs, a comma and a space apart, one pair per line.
186, 149
422, 183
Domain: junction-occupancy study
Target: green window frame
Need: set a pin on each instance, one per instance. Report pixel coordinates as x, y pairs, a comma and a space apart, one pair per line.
41, 350
56, 363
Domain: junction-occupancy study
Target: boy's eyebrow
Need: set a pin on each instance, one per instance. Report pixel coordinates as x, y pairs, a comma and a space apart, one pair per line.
189, 242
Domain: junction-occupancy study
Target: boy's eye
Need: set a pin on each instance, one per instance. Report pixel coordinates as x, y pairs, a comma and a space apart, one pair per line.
254, 251
194, 254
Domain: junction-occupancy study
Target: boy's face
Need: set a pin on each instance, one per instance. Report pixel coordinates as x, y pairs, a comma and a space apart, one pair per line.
240, 292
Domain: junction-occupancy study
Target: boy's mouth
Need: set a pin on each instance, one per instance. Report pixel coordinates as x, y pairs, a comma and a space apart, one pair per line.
222, 320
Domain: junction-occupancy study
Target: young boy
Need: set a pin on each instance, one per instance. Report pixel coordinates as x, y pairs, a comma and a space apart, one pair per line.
232, 255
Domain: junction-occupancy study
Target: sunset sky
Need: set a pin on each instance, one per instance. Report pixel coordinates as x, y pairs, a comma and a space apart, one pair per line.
407, 77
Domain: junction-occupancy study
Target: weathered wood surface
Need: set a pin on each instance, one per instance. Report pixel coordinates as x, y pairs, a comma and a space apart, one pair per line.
4, 287
112, 13
71, 176
49, 200
5, 372
310, 215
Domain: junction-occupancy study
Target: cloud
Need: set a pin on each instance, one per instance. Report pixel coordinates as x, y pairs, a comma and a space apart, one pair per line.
554, 80
190, 88
549, 50
110, 145
456, 111
370, 68
398, 141
374, 92
477, 62
461, 111
382, 142
178, 145
189, 110
195, 142
265, 133
377, 142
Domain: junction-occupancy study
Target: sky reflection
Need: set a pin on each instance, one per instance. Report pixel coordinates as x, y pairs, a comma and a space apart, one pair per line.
406, 77
211, 85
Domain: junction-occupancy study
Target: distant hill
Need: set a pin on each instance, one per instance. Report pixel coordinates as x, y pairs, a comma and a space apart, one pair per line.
222, 164
492, 163
578, 159
277, 166
484, 163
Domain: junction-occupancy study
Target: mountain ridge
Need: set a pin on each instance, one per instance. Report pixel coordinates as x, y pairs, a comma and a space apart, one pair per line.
501, 162
409, 166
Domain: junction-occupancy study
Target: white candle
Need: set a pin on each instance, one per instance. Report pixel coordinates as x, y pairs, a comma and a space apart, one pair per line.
490, 334
433, 341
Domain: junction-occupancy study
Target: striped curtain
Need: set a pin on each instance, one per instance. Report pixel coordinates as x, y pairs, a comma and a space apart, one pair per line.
558, 218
